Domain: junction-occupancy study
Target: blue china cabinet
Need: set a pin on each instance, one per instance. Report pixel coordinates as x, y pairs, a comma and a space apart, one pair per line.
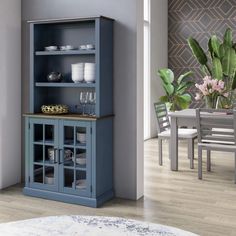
68, 157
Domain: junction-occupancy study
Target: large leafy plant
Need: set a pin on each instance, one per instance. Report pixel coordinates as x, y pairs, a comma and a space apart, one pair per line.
219, 61
176, 96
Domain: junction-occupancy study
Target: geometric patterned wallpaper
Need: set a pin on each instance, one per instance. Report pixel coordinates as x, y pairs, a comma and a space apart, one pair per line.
199, 19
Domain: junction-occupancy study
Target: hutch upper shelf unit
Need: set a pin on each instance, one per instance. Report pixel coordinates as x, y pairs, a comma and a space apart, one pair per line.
97, 31
69, 157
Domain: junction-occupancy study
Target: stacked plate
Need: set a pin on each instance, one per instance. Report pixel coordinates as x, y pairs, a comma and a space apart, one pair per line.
80, 159
80, 184
81, 137
77, 72
89, 72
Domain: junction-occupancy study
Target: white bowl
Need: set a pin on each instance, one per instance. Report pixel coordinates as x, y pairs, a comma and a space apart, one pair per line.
88, 73
82, 47
77, 74
80, 161
89, 65
49, 178
89, 79
81, 140
90, 46
81, 66
81, 183
51, 48
67, 47
77, 80
77, 68
89, 70
76, 65
81, 137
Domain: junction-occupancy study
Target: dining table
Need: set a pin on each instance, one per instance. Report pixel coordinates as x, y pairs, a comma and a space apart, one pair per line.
185, 118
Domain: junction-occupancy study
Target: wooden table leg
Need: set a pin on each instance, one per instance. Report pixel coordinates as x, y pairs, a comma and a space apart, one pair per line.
173, 145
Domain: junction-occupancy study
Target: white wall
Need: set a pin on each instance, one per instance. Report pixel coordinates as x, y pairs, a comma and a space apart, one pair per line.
139, 102
159, 53
10, 90
128, 145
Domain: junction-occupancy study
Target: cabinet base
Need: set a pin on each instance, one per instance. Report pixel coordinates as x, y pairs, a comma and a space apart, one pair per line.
90, 202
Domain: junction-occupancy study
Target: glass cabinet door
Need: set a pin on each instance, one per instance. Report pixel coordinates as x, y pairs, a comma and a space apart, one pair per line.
44, 154
75, 158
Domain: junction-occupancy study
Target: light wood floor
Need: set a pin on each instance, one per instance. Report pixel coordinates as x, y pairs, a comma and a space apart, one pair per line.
179, 199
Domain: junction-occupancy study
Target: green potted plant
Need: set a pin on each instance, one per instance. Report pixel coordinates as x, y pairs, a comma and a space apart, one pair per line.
219, 62
176, 97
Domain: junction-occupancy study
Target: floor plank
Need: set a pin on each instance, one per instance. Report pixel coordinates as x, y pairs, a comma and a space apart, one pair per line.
178, 199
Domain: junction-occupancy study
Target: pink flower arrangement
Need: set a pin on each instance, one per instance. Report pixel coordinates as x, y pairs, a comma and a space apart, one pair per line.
211, 88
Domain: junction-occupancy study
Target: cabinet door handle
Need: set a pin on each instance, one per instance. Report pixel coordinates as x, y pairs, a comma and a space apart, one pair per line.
60, 156
55, 155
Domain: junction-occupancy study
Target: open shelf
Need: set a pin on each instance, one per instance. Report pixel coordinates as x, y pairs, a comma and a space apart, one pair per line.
65, 85
68, 52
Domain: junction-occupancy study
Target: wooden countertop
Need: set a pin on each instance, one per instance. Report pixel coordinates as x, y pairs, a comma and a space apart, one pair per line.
69, 116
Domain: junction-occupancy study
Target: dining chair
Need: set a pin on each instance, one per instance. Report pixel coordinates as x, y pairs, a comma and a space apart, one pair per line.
164, 132
216, 132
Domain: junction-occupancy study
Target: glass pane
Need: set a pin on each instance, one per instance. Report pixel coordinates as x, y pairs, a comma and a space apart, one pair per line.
80, 180
68, 178
68, 156
38, 132
80, 159
38, 153
69, 135
50, 154
38, 174
81, 135
49, 133
49, 175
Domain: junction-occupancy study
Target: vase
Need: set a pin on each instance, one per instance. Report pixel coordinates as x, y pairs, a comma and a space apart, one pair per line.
210, 102
226, 102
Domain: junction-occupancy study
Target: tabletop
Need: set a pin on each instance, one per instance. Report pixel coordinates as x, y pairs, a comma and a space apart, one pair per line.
191, 113
188, 113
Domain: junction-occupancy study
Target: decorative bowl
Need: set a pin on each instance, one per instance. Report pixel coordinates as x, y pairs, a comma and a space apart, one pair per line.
55, 109
54, 77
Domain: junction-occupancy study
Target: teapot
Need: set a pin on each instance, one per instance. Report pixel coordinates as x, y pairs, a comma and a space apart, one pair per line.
54, 77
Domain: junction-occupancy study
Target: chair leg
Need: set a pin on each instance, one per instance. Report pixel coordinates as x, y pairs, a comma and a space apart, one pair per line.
191, 152
199, 162
160, 151
235, 168
208, 160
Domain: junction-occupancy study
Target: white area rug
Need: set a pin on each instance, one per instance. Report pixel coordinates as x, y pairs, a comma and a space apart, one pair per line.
87, 226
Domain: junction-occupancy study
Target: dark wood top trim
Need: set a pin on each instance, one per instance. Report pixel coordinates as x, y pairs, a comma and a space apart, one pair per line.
69, 116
